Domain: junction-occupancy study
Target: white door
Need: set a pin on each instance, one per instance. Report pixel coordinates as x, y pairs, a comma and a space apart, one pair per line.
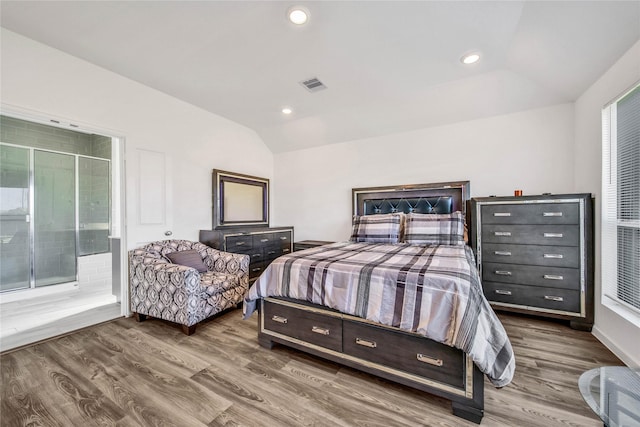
151, 215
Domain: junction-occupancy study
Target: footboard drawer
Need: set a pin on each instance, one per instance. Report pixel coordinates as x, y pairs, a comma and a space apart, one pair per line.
406, 352
308, 326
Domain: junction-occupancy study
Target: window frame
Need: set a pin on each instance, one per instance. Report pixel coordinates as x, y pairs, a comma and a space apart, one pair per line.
610, 221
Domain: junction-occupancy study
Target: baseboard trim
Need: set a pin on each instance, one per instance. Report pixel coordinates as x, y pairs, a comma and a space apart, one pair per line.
626, 358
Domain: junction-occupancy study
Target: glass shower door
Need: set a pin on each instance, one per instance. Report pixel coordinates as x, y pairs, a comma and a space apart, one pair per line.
14, 218
54, 218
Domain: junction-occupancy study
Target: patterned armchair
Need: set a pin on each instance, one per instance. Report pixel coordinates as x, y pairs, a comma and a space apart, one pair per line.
179, 293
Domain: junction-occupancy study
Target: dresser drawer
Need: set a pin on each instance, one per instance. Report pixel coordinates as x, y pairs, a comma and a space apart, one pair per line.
533, 296
560, 235
273, 252
531, 213
550, 277
406, 352
552, 256
283, 239
239, 244
255, 254
273, 244
261, 240
315, 328
256, 268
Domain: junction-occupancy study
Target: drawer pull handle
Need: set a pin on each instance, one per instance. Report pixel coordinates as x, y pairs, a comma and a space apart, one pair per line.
553, 298
271, 252
319, 330
430, 360
552, 214
264, 240
240, 243
366, 343
556, 256
279, 319
503, 272
283, 238
553, 235
256, 255
502, 214
503, 253
502, 292
553, 277
286, 250
502, 233
253, 270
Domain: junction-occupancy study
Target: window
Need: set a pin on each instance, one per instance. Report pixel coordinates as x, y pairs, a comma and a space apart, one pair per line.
621, 200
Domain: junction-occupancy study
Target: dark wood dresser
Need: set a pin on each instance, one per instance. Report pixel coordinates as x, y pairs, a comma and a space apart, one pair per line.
535, 254
263, 244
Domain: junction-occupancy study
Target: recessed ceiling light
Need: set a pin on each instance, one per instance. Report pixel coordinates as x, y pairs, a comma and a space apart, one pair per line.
287, 110
298, 15
470, 58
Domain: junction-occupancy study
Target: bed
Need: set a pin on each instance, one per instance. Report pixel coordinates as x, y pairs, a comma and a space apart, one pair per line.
401, 299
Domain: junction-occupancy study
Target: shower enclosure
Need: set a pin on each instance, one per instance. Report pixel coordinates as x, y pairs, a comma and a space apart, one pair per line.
54, 202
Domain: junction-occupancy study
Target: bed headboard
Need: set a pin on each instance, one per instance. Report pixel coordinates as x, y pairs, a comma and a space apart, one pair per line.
442, 197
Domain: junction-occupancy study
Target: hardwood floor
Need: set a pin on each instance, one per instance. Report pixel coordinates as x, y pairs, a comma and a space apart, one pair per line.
150, 374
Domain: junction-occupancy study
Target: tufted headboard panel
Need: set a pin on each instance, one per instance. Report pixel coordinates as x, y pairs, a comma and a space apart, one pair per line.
429, 205
443, 197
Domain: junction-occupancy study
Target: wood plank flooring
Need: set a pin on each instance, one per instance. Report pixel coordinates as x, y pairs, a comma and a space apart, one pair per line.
124, 373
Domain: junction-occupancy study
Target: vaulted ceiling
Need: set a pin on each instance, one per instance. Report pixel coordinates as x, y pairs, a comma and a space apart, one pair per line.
389, 66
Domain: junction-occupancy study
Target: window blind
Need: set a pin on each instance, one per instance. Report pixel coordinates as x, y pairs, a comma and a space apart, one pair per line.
621, 200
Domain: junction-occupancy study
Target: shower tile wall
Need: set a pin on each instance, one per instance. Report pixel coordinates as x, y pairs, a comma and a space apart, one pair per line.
28, 134
101, 146
94, 206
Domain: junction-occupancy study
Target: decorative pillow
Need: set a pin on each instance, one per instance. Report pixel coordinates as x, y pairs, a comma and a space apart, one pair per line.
189, 258
377, 228
434, 229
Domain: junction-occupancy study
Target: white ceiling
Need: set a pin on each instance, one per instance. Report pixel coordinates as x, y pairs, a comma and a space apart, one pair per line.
389, 66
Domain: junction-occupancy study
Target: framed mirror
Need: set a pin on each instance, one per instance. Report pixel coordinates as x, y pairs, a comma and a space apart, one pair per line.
239, 200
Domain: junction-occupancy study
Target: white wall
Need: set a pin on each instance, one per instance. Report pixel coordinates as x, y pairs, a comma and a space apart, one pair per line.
48, 82
530, 150
618, 333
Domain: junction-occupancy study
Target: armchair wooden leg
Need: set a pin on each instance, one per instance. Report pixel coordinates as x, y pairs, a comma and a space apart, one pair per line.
140, 317
189, 330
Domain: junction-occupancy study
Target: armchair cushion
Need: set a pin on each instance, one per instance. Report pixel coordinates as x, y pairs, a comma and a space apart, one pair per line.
190, 258
214, 282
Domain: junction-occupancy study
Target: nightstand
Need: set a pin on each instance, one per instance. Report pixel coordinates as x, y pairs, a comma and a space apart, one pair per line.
306, 244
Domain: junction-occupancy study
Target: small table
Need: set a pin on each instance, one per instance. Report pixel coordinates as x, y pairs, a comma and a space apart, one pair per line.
306, 244
613, 393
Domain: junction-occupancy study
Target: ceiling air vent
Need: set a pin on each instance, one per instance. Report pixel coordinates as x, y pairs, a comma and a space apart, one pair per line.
313, 84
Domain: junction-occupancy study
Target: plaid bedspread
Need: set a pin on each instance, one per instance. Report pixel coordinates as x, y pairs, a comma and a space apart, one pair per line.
430, 290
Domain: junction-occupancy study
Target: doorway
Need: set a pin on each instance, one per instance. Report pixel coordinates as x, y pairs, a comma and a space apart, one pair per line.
58, 202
